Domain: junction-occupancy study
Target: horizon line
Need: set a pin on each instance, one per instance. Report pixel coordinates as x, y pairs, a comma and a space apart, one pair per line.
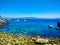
34, 17
44, 15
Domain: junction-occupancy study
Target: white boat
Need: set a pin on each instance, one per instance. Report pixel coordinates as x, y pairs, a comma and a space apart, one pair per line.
25, 20
18, 20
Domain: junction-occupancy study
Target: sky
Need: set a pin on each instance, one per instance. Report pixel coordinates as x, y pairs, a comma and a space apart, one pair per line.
30, 8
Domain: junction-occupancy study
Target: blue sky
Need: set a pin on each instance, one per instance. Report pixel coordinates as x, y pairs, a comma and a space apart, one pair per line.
30, 8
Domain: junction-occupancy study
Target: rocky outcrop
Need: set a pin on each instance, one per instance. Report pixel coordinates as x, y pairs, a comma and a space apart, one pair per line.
2, 23
50, 26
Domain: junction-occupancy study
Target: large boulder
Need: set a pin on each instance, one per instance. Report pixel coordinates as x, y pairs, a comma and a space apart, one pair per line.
50, 26
39, 40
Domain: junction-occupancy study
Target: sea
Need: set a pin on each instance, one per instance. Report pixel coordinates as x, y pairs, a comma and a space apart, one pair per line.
32, 27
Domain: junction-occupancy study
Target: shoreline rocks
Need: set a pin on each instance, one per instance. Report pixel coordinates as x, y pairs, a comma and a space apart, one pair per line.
7, 39
2, 23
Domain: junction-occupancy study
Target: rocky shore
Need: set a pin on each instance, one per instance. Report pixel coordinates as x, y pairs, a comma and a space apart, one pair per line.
3, 22
11, 39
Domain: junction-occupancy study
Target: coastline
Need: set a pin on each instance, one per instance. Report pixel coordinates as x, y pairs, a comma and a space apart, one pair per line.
11, 39
2, 22
22, 39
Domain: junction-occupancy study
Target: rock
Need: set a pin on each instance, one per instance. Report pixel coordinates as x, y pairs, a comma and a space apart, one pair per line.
9, 44
40, 40
50, 26
2, 23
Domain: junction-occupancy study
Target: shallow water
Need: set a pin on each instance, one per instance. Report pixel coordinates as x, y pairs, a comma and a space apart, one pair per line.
32, 27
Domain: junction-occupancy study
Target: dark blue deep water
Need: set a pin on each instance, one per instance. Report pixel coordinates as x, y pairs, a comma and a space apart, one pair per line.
32, 27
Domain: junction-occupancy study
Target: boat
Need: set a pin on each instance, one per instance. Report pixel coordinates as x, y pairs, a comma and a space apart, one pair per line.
58, 26
18, 20
25, 20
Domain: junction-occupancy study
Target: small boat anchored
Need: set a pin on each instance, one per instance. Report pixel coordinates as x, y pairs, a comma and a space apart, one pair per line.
58, 26
25, 20
18, 20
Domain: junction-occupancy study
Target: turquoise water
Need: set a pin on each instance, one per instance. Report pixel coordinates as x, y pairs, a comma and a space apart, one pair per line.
32, 27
